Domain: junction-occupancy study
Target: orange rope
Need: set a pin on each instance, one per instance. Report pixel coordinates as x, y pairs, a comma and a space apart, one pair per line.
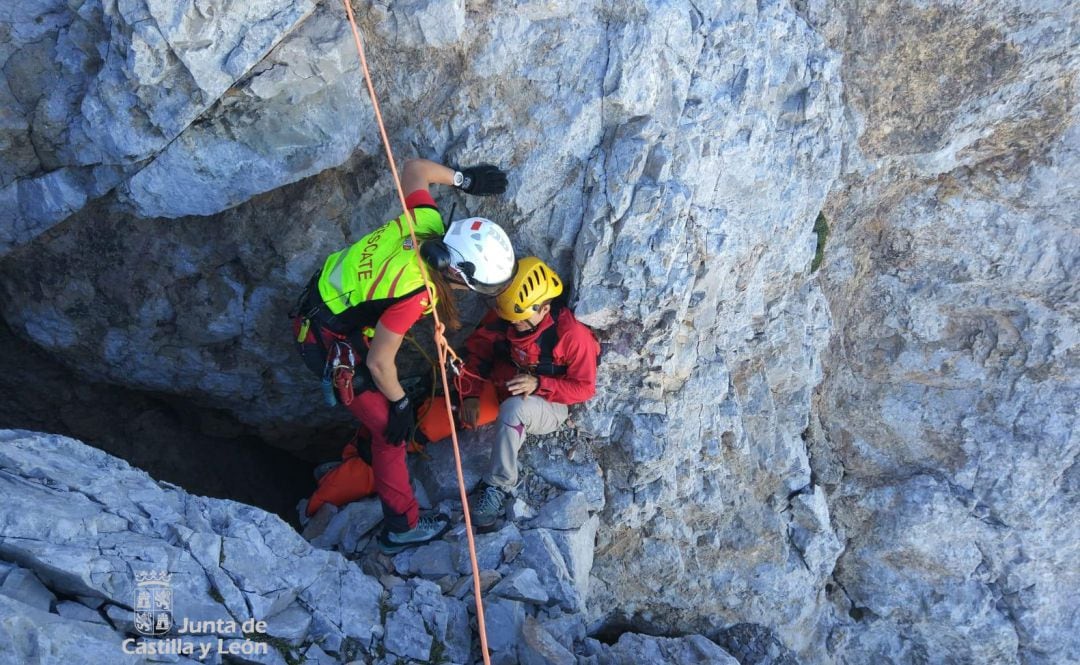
440, 340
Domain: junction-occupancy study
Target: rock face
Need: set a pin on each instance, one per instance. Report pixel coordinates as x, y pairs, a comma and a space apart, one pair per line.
85, 526
874, 460
711, 326
94, 91
630, 179
947, 433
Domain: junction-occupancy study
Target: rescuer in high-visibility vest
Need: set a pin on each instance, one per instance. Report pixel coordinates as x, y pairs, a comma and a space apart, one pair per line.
356, 310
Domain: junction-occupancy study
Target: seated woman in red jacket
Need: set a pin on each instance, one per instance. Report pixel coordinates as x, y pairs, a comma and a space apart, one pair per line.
541, 359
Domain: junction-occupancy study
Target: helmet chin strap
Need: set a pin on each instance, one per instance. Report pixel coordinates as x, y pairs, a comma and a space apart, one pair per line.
532, 326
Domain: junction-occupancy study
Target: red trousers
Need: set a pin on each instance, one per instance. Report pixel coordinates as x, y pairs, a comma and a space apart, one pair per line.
371, 408
400, 510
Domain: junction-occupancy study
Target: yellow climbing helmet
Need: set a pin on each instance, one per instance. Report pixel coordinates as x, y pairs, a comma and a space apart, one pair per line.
534, 283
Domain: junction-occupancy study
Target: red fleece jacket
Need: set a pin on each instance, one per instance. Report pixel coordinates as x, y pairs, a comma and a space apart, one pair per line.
577, 348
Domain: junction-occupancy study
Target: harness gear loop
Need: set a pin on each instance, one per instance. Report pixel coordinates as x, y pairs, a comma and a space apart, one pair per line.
440, 340
342, 365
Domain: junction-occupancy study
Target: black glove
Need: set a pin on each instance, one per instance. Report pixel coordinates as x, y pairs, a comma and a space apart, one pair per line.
483, 180
400, 424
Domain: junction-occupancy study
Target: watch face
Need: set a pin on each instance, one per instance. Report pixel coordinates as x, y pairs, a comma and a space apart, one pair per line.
459, 178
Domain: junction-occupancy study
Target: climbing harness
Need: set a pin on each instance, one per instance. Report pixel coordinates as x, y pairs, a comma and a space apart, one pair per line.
545, 365
440, 340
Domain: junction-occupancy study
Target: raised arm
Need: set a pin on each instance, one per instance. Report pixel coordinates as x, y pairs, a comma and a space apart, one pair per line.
423, 173
481, 180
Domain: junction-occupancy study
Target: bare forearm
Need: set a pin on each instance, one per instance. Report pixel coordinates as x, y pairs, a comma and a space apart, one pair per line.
422, 173
381, 362
386, 380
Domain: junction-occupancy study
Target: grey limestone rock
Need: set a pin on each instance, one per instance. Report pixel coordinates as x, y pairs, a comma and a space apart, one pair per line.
490, 548
447, 620
541, 553
90, 601
573, 475
120, 618
316, 656
123, 83
25, 587
443, 621
569, 510
578, 550
577, 547
301, 88
523, 585
406, 635
348, 526
504, 619
28, 634
520, 510
421, 23
756, 644
317, 526
401, 561
946, 393
907, 556
754, 421
568, 629
79, 612
538, 647
464, 585
634, 649
291, 624
433, 560
236, 654
437, 474
115, 522
811, 531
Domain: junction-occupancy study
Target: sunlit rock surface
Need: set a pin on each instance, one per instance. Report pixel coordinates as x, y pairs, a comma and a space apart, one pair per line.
873, 460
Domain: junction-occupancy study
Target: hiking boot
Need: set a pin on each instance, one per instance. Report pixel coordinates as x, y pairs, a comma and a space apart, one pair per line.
427, 529
488, 505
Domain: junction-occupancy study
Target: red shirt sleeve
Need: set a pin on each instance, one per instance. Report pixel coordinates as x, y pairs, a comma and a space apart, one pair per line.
420, 198
400, 316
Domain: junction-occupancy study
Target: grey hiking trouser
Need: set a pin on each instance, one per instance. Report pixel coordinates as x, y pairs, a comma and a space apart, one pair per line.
519, 416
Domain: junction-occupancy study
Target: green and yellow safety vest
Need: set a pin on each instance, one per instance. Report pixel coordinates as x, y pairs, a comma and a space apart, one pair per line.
380, 266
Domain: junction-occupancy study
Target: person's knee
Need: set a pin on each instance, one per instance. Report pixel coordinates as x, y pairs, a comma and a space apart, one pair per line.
510, 410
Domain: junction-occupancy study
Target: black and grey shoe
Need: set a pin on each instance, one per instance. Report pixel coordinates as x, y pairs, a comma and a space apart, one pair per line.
488, 505
427, 529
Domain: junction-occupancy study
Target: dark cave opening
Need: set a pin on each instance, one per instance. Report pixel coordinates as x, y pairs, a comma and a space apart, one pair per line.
206, 452
615, 626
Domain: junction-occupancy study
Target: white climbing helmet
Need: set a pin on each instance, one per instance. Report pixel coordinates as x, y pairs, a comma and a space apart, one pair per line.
481, 256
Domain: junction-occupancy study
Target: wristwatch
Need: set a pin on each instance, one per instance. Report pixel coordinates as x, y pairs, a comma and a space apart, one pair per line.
459, 179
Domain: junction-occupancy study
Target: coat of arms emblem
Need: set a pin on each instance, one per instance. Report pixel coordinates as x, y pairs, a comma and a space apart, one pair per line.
153, 603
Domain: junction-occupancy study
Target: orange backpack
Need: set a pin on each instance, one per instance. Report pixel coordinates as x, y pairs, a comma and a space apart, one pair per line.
350, 481
434, 424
